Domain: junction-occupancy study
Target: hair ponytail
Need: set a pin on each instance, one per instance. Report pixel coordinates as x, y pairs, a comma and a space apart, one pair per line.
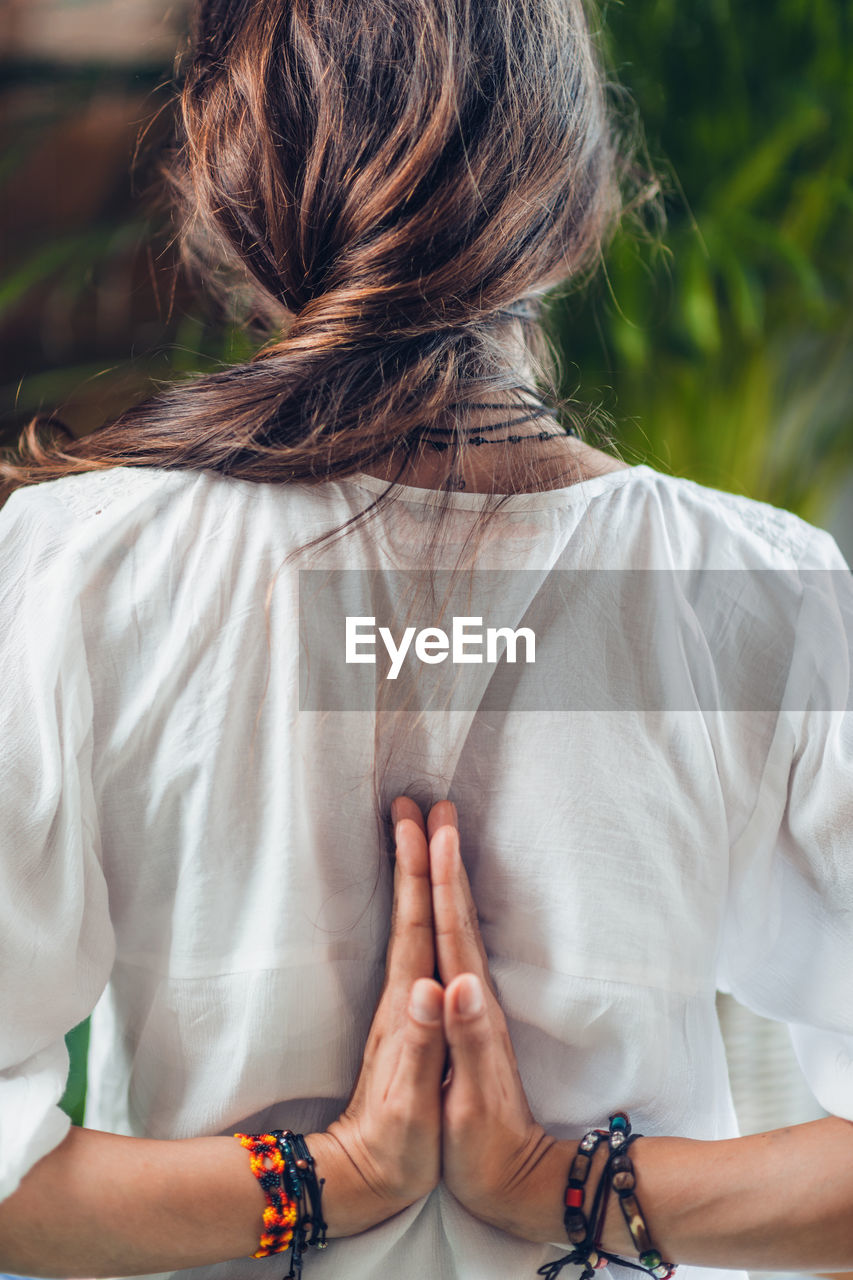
381, 186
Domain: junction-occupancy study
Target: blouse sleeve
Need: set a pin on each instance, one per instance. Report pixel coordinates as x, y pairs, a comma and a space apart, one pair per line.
787, 951
56, 940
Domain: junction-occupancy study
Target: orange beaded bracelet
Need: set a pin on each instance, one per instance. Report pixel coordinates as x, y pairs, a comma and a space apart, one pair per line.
282, 1212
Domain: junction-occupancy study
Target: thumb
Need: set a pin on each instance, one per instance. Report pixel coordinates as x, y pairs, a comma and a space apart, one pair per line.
424, 1049
466, 1026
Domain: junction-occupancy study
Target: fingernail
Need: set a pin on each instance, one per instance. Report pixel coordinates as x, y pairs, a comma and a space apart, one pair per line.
395, 808
425, 1002
469, 997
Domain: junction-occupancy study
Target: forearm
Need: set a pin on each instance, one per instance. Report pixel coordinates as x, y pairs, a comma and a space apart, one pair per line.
780, 1201
103, 1205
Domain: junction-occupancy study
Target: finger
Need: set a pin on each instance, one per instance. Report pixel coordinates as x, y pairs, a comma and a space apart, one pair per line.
422, 1057
411, 949
468, 1031
406, 807
442, 814
483, 1064
458, 944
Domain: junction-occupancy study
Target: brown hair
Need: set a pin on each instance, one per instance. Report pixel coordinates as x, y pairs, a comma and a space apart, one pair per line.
388, 187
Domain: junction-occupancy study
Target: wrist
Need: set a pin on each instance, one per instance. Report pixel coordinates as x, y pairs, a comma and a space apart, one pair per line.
543, 1202
534, 1210
350, 1204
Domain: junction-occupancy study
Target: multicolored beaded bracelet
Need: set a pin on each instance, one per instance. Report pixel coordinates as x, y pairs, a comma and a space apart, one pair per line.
585, 1233
619, 1173
281, 1214
284, 1166
574, 1220
579, 1229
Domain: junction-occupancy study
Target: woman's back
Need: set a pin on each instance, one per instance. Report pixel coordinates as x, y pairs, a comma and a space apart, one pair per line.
640, 820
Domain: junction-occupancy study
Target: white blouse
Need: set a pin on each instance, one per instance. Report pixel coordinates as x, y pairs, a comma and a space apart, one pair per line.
192, 794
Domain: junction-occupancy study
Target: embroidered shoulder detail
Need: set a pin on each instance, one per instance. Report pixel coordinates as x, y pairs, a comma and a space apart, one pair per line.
90, 493
784, 531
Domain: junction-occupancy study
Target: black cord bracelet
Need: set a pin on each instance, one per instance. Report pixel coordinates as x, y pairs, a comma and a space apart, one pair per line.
302, 1185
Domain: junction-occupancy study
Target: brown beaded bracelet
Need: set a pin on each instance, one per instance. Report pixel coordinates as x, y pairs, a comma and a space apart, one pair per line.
574, 1220
619, 1173
581, 1231
584, 1233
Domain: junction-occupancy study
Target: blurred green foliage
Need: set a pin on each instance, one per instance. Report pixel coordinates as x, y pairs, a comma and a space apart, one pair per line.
724, 349
90, 315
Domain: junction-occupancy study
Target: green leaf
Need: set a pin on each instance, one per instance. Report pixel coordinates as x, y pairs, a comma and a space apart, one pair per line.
74, 1098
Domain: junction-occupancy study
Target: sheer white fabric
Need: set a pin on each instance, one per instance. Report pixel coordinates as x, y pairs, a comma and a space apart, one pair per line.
185, 851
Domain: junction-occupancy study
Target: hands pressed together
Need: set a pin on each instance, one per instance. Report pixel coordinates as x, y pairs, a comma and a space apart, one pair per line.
438, 1095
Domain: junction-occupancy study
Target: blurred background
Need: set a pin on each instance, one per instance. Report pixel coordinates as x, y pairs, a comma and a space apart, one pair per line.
721, 351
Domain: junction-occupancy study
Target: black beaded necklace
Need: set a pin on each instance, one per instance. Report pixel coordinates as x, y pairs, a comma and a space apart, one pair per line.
540, 411
439, 438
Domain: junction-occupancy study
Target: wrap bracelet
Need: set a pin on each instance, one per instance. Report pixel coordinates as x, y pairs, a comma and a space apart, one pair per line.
307, 1190
584, 1231
574, 1220
619, 1173
579, 1229
283, 1165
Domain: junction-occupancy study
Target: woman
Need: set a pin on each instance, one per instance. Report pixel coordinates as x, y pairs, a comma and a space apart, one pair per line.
194, 796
